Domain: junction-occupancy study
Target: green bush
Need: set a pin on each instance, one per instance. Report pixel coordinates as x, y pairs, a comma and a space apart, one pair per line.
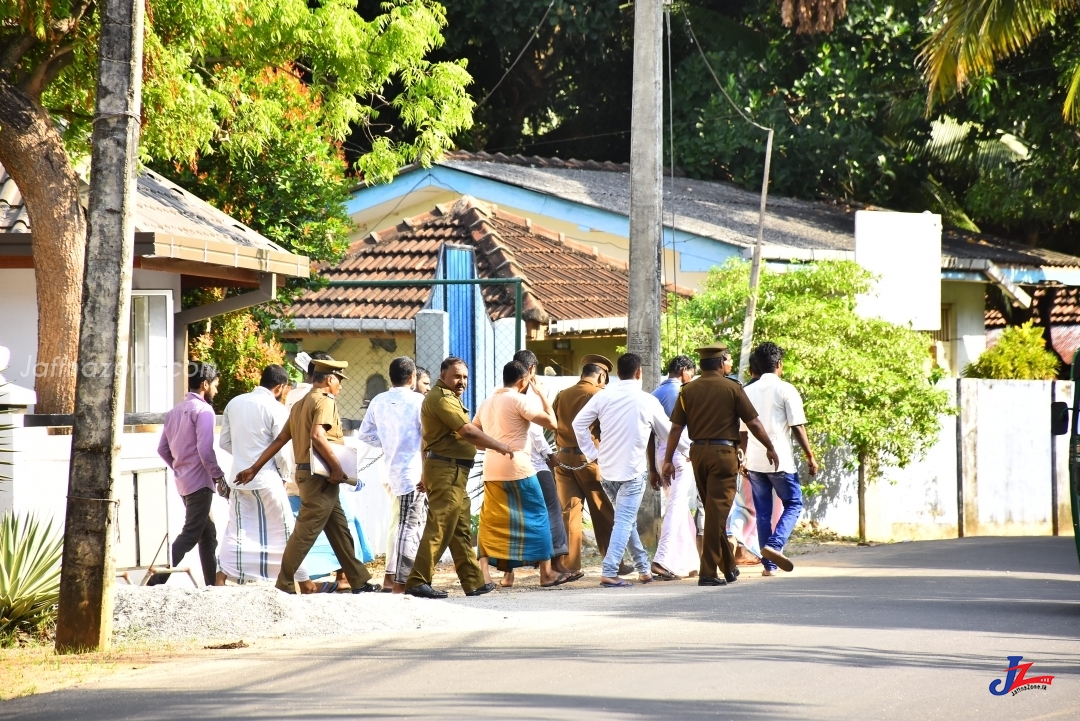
29, 575
1020, 354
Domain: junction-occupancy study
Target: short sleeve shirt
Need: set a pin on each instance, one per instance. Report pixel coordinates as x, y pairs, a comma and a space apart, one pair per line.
711, 406
506, 416
780, 407
441, 415
317, 408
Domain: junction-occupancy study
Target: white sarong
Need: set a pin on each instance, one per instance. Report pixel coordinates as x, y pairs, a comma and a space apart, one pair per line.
260, 523
677, 549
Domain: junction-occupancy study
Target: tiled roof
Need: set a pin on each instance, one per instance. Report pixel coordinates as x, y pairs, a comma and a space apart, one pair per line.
724, 212
1066, 310
562, 279
162, 207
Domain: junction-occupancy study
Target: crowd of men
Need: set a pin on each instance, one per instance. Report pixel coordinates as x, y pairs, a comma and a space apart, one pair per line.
691, 438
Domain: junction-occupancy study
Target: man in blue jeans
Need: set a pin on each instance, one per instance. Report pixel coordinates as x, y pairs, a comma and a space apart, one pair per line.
780, 409
628, 417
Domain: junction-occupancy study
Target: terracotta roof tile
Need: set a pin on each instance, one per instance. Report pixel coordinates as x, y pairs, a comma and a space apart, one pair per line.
1066, 310
563, 279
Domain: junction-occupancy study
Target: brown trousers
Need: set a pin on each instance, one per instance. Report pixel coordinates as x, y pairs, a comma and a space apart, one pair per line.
320, 510
575, 489
449, 524
715, 469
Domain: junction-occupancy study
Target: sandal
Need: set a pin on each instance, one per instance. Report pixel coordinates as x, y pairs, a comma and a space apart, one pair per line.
649, 579
563, 578
662, 574
576, 576
618, 584
328, 587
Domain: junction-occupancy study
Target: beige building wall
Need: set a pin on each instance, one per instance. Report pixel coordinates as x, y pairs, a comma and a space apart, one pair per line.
369, 362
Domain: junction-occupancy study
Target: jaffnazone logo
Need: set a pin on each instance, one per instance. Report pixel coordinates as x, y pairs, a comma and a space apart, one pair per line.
1016, 679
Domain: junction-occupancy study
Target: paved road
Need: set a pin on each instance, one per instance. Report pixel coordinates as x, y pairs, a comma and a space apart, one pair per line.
907, 631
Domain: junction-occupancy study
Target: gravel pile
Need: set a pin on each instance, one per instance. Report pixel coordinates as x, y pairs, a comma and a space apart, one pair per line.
248, 612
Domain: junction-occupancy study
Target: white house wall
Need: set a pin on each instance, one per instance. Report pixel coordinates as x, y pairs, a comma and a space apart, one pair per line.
968, 332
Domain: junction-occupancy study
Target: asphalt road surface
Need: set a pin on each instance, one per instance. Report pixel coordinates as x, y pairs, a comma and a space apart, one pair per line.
904, 631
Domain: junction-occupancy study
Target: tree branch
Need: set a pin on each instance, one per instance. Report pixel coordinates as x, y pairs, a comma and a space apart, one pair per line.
46, 71
14, 52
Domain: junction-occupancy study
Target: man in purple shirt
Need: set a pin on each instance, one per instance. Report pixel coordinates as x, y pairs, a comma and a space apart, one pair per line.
187, 447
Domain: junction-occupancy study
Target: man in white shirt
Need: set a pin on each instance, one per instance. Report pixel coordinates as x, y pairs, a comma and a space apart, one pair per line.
628, 417
780, 410
260, 519
392, 422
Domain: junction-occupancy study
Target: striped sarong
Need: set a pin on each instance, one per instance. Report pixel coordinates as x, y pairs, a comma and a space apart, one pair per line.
260, 523
514, 528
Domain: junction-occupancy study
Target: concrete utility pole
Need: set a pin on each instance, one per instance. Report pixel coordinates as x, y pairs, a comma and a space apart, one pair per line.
646, 221
84, 622
646, 189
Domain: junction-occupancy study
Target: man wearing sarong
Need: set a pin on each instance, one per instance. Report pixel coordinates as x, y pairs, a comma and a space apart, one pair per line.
449, 442
676, 553
710, 408
392, 423
514, 528
260, 519
628, 417
313, 426
576, 478
780, 408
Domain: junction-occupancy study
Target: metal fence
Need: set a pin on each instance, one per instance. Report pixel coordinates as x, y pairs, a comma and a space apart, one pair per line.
478, 320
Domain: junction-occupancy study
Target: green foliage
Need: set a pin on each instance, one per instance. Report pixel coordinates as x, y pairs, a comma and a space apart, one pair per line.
239, 348
1020, 354
867, 384
209, 69
29, 575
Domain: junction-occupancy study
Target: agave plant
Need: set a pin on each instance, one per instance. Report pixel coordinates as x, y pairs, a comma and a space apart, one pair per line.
29, 573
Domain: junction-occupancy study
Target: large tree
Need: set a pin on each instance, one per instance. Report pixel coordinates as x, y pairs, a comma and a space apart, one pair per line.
208, 73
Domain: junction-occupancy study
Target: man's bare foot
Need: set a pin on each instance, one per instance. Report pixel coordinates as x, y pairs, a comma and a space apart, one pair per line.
387, 580
508, 580
645, 578
558, 567
768, 572
219, 579
343, 582
398, 587
614, 582
307, 586
485, 568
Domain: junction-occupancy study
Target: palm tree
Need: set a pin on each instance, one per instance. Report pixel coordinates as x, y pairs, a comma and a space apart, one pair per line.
972, 35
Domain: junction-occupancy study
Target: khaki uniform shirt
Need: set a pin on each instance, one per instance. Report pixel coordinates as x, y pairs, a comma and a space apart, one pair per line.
567, 405
317, 408
710, 408
441, 415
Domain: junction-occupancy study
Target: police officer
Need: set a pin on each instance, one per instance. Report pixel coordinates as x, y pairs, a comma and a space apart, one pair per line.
710, 408
578, 481
449, 441
315, 424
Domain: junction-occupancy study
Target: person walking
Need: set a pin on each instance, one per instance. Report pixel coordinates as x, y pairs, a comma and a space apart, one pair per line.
392, 423
576, 478
628, 417
543, 462
315, 426
780, 409
449, 443
710, 408
514, 529
260, 519
187, 447
677, 552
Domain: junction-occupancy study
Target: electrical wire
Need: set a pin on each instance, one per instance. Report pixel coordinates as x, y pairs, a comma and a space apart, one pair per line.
532, 36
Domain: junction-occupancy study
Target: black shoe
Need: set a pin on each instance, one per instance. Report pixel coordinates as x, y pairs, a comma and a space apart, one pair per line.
486, 588
424, 590
732, 577
711, 581
368, 588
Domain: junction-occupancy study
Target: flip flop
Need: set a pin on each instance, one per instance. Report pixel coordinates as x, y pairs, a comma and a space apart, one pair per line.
620, 584
663, 574
563, 578
328, 587
387, 589
576, 576
643, 581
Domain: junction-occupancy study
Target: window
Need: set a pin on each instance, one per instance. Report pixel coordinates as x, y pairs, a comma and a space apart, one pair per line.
150, 381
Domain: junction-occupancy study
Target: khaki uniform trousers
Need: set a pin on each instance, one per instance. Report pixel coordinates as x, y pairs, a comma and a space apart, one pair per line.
715, 470
449, 523
577, 488
320, 510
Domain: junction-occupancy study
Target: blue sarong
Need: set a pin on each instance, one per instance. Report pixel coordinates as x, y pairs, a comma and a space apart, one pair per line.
514, 529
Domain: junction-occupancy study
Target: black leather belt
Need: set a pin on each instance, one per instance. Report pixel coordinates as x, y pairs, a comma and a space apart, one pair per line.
573, 449
459, 461
303, 466
715, 442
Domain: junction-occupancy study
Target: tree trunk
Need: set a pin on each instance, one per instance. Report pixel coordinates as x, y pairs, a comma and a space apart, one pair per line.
32, 151
84, 620
862, 497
